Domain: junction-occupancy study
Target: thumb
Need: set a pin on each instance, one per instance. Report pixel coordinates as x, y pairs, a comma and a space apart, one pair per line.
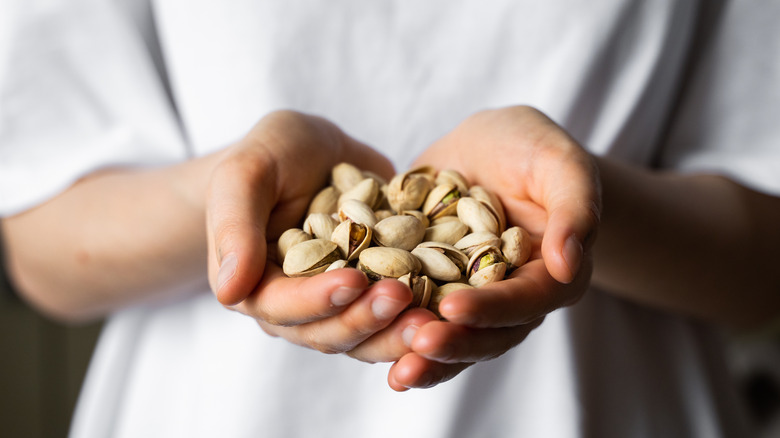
574, 210
241, 196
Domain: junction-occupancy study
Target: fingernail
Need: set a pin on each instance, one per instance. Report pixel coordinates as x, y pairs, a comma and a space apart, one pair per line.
344, 295
226, 270
386, 308
408, 334
572, 254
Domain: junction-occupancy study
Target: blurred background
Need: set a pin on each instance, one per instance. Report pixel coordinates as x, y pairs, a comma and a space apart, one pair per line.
42, 366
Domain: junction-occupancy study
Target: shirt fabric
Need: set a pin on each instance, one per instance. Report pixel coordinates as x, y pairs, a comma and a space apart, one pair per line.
97, 83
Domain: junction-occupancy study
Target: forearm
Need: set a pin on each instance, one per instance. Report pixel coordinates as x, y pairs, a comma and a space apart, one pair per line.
115, 237
696, 244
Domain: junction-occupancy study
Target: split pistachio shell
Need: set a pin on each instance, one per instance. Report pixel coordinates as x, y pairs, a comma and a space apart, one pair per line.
344, 176
441, 201
442, 291
407, 191
366, 191
491, 201
421, 286
472, 241
320, 225
338, 264
310, 257
451, 176
357, 211
403, 232
351, 238
486, 266
477, 216
381, 262
326, 201
516, 246
288, 239
436, 264
447, 232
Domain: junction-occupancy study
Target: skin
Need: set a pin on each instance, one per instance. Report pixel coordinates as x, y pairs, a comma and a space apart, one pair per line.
221, 209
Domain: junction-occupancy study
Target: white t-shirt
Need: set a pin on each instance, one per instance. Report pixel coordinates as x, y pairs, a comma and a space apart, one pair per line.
91, 83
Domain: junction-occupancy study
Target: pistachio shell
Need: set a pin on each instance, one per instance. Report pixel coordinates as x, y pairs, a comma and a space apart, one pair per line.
441, 201
375, 176
288, 239
442, 291
452, 176
491, 201
310, 257
436, 264
472, 241
516, 246
344, 176
477, 216
366, 191
403, 232
381, 262
383, 214
485, 266
351, 238
338, 264
407, 191
443, 219
357, 211
320, 225
447, 232
326, 201
418, 214
421, 287
457, 256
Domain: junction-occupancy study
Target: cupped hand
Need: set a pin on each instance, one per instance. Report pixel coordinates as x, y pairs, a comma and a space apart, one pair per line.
262, 187
549, 185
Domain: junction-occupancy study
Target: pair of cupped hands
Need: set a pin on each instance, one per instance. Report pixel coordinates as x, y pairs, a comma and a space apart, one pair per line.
547, 183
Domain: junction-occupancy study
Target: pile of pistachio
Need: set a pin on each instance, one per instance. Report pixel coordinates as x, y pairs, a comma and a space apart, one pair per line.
428, 229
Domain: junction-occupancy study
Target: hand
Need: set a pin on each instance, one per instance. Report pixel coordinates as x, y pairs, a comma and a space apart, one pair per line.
548, 185
261, 188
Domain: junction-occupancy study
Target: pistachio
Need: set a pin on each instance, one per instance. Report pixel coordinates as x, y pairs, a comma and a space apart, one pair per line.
403, 232
442, 291
516, 246
421, 287
457, 256
477, 216
288, 239
357, 211
486, 265
491, 201
383, 214
472, 241
366, 191
418, 214
310, 257
407, 191
338, 264
344, 176
376, 177
326, 201
438, 265
351, 238
452, 176
382, 262
320, 225
441, 201
447, 232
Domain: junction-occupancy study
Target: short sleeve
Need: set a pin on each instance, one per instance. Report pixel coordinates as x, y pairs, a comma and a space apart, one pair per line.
78, 92
729, 118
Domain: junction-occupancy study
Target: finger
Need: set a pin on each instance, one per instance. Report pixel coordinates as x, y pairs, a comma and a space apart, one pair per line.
527, 294
574, 209
445, 342
369, 314
415, 371
394, 341
280, 300
240, 198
